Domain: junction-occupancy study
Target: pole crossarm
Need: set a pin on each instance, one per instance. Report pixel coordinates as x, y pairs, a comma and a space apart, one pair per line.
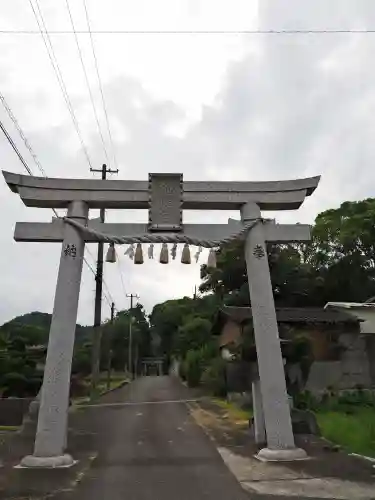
53, 232
122, 194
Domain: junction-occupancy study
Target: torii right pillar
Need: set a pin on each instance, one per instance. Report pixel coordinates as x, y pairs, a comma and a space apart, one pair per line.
276, 410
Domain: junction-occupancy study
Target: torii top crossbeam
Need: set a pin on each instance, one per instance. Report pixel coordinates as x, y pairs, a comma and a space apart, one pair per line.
117, 194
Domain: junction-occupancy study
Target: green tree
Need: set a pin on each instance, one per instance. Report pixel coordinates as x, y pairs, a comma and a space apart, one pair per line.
19, 375
292, 279
192, 335
82, 359
143, 333
193, 367
167, 318
343, 251
338, 265
116, 337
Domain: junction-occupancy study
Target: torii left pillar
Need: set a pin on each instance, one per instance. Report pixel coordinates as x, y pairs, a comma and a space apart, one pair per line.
50, 438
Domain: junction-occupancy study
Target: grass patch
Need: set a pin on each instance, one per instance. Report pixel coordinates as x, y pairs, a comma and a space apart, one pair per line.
9, 427
234, 411
355, 432
102, 386
101, 389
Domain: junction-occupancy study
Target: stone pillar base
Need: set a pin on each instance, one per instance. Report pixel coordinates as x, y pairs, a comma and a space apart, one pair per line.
287, 455
32, 461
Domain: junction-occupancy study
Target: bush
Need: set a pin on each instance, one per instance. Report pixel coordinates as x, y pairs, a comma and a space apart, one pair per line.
182, 370
357, 397
214, 377
19, 385
193, 366
305, 400
82, 361
349, 402
78, 387
192, 335
209, 351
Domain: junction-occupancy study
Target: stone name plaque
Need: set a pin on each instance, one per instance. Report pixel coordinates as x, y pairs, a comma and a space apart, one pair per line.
165, 198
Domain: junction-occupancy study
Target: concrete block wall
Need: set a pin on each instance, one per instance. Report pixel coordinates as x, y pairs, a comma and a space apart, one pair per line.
354, 361
351, 370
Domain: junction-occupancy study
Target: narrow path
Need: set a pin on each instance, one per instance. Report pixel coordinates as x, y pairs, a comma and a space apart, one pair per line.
153, 451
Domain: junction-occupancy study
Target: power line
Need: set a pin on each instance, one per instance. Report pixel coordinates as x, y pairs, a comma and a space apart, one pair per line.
100, 84
121, 275
94, 272
109, 301
197, 32
87, 80
27, 144
24, 163
11, 142
108, 292
22, 135
56, 68
88, 264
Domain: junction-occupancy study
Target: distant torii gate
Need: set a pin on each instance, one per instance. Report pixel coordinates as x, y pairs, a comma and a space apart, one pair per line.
156, 363
165, 196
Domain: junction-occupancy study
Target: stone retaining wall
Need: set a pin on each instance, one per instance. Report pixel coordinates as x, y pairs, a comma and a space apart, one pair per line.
12, 410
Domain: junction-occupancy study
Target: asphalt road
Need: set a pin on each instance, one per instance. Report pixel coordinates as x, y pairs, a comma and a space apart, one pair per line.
153, 450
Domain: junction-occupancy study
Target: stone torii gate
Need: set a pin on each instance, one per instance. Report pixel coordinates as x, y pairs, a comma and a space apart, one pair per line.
165, 196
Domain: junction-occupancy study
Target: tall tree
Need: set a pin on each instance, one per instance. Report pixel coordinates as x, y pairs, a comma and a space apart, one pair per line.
117, 334
292, 279
343, 250
338, 265
167, 318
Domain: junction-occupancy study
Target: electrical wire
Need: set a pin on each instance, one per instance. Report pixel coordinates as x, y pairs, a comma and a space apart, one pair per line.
94, 273
100, 84
89, 265
103, 280
56, 68
29, 171
26, 142
87, 80
198, 32
22, 135
60, 79
121, 275
23, 161
11, 142
108, 292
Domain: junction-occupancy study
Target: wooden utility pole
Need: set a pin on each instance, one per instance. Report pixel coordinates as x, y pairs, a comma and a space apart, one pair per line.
130, 347
95, 367
110, 352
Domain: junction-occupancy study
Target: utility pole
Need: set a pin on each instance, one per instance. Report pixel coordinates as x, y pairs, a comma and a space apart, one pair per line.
130, 347
110, 352
95, 367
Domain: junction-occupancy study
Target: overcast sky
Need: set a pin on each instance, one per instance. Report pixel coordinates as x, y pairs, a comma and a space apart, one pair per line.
212, 106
